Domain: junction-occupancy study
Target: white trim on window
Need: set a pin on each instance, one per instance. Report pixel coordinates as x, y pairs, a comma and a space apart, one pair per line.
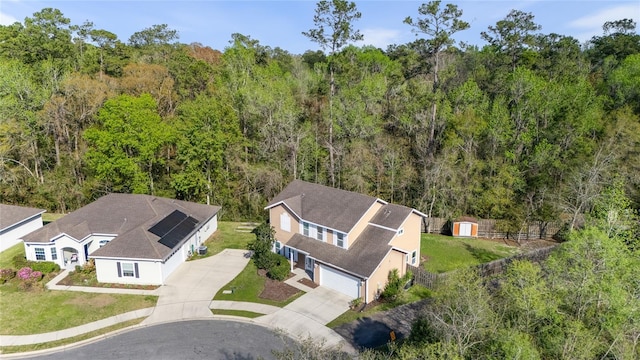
341, 240
54, 254
40, 255
128, 270
320, 233
306, 228
413, 257
285, 222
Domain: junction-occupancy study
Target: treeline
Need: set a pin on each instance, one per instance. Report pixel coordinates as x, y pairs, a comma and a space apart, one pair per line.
530, 127
581, 303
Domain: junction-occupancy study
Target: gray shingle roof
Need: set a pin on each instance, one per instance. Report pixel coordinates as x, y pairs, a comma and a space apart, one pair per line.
391, 216
361, 259
127, 216
323, 205
11, 215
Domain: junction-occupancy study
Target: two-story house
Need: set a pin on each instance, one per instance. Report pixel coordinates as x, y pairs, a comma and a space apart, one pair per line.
346, 241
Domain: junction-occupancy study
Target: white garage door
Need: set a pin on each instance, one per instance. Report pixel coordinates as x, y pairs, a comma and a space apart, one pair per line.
339, 281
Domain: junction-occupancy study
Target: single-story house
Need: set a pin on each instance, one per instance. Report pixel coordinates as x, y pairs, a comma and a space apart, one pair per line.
133, 239
465, 227
17, 221
346, 241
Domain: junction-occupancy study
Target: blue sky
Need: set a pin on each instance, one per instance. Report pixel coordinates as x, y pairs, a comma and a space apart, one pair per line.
280, 23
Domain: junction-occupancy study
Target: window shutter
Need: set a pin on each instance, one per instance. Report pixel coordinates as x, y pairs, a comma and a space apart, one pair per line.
119, 269
135, 268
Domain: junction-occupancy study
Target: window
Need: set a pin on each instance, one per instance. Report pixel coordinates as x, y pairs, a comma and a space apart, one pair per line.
285, 222
411, 258
305, 228
320, 233
127, 270
40, 254
278, 246
340, 240
54, 254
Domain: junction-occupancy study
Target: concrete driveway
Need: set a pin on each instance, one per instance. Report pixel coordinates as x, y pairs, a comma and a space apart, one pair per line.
189, 290
308, 315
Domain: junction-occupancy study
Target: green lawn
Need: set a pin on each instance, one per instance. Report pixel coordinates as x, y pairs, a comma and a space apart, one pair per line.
40, 311
226, 237
49, 217
247, 286
445, 253
414, 294
6, 257
67, 341
241, 313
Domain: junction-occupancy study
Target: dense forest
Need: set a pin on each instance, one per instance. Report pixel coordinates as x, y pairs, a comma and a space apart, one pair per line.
531, 126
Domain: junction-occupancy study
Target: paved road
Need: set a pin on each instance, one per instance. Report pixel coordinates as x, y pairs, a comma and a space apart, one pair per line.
196, 339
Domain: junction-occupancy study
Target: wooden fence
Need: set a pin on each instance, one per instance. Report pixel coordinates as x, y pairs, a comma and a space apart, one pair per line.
495, 229
431, 280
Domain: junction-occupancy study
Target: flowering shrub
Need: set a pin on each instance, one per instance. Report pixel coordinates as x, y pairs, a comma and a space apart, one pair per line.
6, 275
24, 273
30, 279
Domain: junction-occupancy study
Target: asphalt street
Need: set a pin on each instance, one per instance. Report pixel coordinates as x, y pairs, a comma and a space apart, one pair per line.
198, 339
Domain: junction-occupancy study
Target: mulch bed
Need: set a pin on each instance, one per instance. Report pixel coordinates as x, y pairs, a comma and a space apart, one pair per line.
79, 280
276, 290
307, 282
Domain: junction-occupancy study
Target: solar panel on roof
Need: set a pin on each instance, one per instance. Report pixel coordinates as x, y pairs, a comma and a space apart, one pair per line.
179, 232
162, 227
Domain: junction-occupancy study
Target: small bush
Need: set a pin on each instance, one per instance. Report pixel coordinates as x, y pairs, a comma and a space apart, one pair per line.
280, 268
89, 267
395, 284
19, 261
355, 303
46, 267
6, 275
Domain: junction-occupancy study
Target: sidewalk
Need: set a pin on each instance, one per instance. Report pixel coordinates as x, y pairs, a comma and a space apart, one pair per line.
187, 295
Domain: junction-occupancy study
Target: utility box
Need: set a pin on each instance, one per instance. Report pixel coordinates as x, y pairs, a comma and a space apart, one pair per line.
202, 250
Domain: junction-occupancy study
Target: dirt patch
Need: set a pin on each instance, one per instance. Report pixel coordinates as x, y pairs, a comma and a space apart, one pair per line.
98, 301
276, 290
307, 282
507, 242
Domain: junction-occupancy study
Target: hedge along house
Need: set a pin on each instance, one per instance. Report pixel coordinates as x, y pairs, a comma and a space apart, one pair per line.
134, 239
465, 227
344, 240
17, 221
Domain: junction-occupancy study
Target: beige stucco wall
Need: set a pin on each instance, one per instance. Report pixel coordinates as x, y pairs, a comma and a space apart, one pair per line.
410, 239
378, 280
274, 219
362, 223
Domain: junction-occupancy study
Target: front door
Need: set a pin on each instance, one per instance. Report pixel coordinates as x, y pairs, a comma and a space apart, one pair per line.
308, 263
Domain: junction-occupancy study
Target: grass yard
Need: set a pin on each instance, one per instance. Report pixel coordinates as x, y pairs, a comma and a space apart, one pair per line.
6, 257
226, 237
50, 217
415, 293
240, 313
247, 286
36, 312
67, 341
445, 253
